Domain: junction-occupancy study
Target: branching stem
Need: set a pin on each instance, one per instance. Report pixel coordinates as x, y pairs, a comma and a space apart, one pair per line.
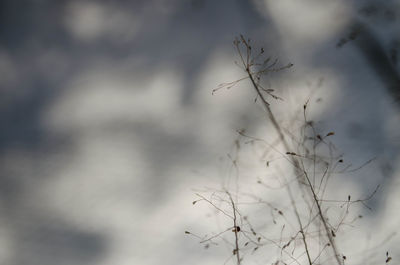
235, 230
295, 162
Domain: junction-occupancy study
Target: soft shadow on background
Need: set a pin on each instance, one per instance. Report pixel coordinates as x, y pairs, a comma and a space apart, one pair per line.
108, 120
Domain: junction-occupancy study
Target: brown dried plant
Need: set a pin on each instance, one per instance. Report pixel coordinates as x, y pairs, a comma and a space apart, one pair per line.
307, 233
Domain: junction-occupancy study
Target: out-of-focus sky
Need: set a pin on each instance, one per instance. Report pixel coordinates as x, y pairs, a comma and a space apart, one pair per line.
108, 123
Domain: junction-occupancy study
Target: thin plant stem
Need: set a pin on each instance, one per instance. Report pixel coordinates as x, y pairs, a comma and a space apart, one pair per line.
295, 162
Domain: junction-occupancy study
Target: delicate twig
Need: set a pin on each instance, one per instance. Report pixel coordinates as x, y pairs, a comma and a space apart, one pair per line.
235, 230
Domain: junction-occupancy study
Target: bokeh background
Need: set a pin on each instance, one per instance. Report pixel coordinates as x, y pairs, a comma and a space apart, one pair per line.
108, 123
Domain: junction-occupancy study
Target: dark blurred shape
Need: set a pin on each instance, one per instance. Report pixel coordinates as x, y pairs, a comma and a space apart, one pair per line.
56, 244
378, 59
381, 61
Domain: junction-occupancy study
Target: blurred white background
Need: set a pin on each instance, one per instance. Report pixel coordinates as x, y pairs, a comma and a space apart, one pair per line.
108, 121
